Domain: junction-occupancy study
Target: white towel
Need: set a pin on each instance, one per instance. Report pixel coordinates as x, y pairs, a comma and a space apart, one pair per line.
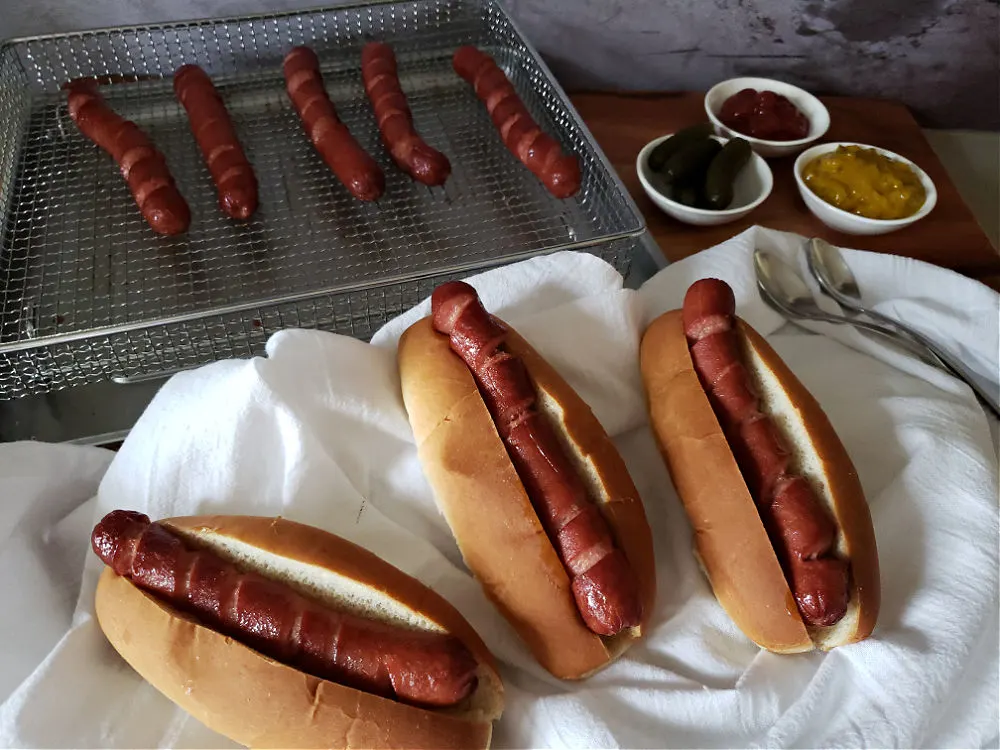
317, 432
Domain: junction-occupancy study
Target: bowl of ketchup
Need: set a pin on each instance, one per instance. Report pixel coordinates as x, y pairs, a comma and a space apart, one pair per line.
776, 118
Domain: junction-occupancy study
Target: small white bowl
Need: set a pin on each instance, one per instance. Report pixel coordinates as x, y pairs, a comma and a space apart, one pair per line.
750, 188
809, 105
845, 221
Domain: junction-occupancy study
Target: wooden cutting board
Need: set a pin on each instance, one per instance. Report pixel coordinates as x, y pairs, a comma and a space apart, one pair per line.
949, 236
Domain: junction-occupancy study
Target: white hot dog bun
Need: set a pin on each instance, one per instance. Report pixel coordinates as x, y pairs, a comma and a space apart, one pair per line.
730, 538
260, 702
497, 529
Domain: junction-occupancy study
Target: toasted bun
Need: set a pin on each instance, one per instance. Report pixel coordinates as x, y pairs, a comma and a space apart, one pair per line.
730, 540
489, 512
259, 702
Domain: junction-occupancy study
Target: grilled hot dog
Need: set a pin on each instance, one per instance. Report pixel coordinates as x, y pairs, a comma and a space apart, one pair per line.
535, 492
220, 148
801, 529
142, 165
604, 585
785, 460
538, 151
352, 165
395, 121
248, 597
420, 668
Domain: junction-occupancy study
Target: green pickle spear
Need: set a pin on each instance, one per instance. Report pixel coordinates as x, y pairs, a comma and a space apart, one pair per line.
722, 173
688, 196
658, 156
690, 164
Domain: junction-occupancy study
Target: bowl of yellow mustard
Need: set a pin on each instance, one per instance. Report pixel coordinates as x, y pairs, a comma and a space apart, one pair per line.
859, 189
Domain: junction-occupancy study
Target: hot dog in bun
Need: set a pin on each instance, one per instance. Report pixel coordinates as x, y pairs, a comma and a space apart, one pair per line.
538, 498
276, 634
781, 524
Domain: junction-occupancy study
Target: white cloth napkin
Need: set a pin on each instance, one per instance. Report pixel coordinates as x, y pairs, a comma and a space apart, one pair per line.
316, 431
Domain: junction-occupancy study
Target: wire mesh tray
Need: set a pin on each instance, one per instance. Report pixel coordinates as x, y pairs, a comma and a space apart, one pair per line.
88, 291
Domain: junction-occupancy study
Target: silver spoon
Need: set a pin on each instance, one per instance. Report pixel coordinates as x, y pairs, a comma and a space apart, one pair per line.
782, 288
828, 267
836, 279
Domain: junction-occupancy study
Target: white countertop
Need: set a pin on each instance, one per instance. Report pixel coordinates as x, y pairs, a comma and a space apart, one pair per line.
972, 159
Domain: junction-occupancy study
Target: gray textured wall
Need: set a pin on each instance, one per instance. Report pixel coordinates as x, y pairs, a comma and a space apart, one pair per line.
938, 56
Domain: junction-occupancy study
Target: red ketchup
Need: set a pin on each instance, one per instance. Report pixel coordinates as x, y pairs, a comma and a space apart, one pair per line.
765, 115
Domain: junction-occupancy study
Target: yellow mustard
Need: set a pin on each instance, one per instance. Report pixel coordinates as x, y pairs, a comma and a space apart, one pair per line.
864, 182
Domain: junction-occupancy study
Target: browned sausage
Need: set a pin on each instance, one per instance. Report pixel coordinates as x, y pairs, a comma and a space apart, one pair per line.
800, 527
421, 668
395, 121
537, 150
604, 585
142, 165
220, 148
352, 165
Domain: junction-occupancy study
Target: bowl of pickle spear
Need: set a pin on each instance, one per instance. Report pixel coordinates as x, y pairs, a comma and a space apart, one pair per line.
703, 179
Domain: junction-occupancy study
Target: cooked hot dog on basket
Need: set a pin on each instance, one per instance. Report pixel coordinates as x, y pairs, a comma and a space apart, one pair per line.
537, 496
274, 633
142, 165
538, 151
395, 121
352, 165
213, 130
781, 524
